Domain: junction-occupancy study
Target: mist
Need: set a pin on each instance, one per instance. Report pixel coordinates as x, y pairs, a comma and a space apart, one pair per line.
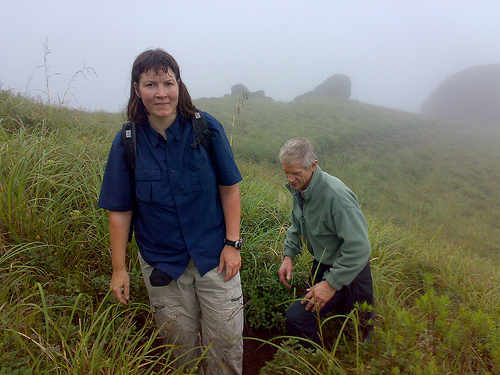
395, 53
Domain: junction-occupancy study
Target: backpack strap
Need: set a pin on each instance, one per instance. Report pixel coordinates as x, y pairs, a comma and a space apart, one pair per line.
130, 146
203, 135
129, 143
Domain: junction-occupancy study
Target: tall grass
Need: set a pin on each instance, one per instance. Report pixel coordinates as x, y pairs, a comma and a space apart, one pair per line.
428, 190
82, 338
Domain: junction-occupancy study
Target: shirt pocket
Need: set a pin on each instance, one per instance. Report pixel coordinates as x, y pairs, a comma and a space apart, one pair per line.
144, 181
201, 175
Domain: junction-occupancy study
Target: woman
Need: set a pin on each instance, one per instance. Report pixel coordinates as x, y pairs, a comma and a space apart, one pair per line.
185, 206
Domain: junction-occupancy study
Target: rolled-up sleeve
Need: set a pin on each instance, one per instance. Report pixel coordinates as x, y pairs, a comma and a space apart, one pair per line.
116, 189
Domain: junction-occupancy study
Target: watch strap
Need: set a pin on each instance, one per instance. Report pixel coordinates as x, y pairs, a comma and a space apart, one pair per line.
236, 244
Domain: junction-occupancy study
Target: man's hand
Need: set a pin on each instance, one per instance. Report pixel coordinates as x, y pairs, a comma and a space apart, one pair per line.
120, 286
318, 296
285, 271
230, 258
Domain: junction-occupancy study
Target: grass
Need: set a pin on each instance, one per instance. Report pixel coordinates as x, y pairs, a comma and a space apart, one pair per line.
80, 338
429, 191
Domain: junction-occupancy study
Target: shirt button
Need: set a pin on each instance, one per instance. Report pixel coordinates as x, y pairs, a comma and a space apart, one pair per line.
173, 170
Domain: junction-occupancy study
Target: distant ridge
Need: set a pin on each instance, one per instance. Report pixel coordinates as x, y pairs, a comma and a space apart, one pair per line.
472, 94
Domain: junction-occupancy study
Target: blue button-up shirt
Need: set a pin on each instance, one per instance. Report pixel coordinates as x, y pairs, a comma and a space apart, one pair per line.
177, 211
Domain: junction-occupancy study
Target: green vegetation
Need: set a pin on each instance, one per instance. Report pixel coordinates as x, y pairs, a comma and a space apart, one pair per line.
429, 191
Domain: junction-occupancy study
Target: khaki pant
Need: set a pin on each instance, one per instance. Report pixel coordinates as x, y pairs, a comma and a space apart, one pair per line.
197, 313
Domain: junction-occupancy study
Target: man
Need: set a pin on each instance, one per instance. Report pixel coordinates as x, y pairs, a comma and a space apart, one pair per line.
327, 220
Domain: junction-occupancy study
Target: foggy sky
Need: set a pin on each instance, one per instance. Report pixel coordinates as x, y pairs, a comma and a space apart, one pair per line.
395, 52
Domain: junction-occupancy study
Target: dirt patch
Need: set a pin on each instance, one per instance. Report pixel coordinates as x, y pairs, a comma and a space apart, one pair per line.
256, 353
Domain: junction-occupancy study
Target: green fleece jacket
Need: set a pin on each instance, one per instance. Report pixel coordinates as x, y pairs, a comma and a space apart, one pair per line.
330, 224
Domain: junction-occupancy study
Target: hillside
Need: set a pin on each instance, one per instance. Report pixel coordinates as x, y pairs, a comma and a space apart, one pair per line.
442, 177
428, 188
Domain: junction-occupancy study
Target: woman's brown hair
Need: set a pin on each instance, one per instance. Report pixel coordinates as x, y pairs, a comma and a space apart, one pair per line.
158, 60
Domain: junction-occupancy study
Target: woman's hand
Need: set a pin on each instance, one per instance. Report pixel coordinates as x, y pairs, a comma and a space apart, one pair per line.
120, 286
230, 259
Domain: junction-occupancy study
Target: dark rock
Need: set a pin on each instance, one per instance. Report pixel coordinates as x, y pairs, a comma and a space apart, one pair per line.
258, 94
472, 94
337, 85
240, 89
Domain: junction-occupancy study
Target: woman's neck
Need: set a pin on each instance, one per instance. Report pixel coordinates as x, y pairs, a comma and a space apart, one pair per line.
162, 124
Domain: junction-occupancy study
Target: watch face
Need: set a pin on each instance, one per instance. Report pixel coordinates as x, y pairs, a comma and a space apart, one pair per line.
236, 244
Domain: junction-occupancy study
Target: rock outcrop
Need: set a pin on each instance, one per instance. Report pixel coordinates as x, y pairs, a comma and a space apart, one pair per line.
472, 94
337, 85
239, 89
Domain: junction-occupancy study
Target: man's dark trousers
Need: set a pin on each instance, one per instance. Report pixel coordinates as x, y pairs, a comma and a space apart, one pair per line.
302, 323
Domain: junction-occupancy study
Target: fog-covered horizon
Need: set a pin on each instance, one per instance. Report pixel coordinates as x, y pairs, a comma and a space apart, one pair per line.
395, 53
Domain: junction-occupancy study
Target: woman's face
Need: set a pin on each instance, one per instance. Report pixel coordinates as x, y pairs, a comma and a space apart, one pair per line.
159, 92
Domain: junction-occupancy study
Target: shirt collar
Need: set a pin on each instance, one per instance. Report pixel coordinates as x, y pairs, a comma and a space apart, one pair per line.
174, 130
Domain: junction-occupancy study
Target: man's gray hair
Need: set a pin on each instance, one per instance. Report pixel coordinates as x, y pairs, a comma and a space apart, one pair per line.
298, 149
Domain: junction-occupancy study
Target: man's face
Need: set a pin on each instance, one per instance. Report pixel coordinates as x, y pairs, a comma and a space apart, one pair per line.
298, 176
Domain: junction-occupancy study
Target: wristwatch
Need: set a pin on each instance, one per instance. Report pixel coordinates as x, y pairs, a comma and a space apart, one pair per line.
236, 244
